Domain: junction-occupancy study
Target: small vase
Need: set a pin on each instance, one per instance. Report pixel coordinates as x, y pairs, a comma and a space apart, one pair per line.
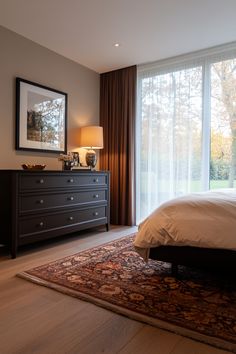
91, 159
67, 165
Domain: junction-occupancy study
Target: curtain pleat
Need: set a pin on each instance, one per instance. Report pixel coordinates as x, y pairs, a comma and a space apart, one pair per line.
117, 117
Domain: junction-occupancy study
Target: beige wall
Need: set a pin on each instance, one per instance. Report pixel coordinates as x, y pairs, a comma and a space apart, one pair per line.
20, 57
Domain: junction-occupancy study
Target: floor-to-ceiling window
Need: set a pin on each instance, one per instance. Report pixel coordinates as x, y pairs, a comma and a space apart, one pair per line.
223, 124
186, 126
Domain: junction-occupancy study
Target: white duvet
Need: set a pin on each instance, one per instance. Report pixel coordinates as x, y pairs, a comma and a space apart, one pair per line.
205, 219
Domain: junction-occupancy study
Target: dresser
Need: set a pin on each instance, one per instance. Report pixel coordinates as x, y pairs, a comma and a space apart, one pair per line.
39, 205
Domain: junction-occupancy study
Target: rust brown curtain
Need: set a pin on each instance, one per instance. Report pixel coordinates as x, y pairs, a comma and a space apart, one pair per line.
117, 117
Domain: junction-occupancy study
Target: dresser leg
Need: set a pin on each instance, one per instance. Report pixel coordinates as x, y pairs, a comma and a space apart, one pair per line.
13, 254
107, 227
13, 250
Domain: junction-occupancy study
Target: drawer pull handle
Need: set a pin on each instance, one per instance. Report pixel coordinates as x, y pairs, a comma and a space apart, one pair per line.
95, 213
41, 181
41, 201
70, 198
70, 180
71, 218
41, 224
95, 195
95, 180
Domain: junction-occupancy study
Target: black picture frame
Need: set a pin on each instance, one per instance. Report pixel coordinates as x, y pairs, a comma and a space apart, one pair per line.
41, 118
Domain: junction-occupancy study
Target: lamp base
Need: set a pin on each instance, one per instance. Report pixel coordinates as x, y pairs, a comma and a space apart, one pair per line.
91, 158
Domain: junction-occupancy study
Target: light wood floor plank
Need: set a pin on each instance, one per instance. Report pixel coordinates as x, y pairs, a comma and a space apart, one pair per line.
118, 331
187, 346
151, 340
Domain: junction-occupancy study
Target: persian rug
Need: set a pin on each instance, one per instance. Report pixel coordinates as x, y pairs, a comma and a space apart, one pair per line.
199, 305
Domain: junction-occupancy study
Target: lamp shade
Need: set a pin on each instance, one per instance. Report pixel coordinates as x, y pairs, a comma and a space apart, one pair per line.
91, 137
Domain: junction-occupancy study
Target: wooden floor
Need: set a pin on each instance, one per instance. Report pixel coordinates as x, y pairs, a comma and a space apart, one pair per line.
34, 319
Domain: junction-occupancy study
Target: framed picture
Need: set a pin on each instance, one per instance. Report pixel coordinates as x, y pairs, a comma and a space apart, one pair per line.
41, 118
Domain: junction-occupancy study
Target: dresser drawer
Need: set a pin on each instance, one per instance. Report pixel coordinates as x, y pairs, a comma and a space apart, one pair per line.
32, 203
70, 180
29, 226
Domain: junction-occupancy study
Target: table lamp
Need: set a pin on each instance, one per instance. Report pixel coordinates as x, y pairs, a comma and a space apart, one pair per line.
91, 137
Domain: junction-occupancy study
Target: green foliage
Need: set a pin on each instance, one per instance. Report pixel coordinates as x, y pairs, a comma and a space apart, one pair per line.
219, 169
218, 184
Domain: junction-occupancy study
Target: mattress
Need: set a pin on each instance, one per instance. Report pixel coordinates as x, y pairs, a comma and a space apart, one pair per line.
206, 219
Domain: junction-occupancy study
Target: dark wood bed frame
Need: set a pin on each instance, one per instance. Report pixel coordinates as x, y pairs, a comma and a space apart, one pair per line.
207, 258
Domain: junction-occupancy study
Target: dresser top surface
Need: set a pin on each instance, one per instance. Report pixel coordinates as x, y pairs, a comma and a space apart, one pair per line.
51, 171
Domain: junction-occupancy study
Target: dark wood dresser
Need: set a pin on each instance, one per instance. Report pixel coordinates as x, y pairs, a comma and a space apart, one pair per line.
38, 205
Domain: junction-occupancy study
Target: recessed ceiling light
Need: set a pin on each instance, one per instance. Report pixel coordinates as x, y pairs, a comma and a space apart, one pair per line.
117, 45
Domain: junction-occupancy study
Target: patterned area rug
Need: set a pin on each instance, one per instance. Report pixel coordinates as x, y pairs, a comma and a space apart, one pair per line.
198, 305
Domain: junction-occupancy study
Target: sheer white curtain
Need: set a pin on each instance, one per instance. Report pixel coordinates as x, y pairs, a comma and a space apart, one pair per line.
173, 128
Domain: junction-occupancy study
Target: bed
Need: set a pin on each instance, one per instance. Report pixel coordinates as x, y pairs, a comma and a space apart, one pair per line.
197, 229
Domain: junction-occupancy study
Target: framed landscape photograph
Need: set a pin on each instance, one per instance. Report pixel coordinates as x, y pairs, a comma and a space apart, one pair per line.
41, 118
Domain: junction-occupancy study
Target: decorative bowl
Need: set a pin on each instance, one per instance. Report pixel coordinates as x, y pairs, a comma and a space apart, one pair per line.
27, 166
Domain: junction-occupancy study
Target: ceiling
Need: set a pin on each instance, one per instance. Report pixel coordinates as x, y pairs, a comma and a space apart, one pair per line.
147, 30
